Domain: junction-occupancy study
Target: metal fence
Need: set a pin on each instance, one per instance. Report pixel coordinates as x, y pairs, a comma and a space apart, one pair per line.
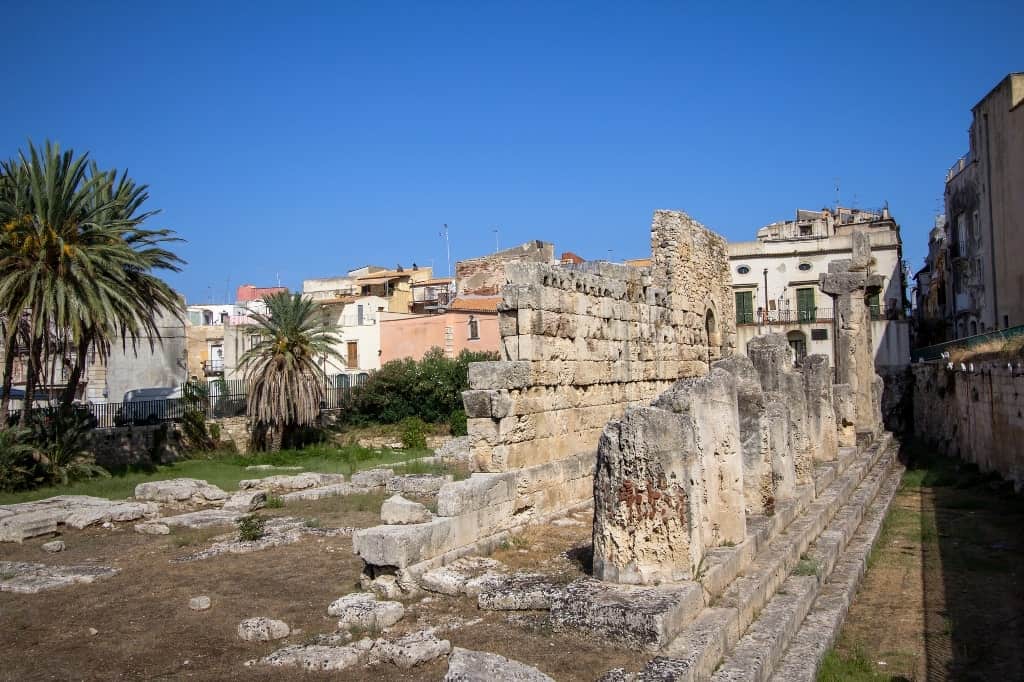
936, 351
224, 399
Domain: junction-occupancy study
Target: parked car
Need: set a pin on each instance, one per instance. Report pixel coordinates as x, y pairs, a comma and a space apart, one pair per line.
150, 406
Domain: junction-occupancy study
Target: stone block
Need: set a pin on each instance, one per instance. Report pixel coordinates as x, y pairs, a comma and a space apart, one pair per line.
397, 510
362, 610
496, 375
246, 501
262, 630
477, 666
372, 478
413, 649
649, 617
402, 546
479, 491
20, 527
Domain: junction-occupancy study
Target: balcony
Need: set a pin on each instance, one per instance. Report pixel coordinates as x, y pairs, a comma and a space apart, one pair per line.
958, 167
782, 317
213, 367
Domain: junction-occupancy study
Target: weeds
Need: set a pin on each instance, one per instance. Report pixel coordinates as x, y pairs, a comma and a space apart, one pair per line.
854, 668
312, 523
251, 528
807, 566
274, 502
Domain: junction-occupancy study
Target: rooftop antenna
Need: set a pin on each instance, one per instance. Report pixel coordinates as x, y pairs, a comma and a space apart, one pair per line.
278, 279
837, 193
447, 248
495, 231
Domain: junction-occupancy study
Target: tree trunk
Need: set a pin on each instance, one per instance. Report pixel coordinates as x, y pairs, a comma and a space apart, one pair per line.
68, 396
31, 376
276, 437
5, 392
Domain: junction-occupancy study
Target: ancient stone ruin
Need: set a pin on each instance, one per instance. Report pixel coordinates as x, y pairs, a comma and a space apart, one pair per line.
580, 344
735, 497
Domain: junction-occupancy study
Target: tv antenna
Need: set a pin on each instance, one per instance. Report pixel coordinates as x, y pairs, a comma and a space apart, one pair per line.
447, 248
495, 231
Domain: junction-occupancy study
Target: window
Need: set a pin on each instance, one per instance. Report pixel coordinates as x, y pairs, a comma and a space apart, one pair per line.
874, 306
804, 266
819, 335
743, 269
195, 317
744, 307
805, 230
805, 308
474, 328
798, 342
223, 318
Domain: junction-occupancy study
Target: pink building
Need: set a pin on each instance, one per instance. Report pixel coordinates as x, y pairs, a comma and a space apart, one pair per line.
470, 323
251, 292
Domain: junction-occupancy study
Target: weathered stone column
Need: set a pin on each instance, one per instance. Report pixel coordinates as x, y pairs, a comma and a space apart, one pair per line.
849, 282
773, 359
669, 484
821, 416
646, 511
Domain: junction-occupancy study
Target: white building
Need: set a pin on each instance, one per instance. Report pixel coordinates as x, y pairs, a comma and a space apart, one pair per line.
775, 282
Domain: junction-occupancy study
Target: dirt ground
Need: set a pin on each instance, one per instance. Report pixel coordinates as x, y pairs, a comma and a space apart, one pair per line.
943, 598
146, 630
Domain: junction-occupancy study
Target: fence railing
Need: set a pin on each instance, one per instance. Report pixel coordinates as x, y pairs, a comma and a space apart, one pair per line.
785, 316
225, 399
935, 352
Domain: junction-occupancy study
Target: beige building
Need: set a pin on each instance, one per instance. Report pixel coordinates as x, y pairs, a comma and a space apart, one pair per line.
985, 209
775, 281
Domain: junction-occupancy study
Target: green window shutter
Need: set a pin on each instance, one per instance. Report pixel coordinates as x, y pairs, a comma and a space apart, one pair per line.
806, 310
744, 307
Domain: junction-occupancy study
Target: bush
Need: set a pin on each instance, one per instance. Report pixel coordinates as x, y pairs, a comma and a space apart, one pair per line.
430, 389
60, 437
458, 423
414, 433
251, 528
18, 465
193, 422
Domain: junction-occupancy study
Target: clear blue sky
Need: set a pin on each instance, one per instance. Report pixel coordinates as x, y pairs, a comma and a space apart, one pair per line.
298, 141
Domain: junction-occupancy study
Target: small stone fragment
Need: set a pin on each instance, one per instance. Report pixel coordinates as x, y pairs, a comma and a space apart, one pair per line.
152, 529
93, 632
413, 649
199, 603
246, 501
262, 629
362, 610
397, 510
478, 666
54, 546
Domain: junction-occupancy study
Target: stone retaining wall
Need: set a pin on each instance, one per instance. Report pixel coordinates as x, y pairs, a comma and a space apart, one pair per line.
975, 415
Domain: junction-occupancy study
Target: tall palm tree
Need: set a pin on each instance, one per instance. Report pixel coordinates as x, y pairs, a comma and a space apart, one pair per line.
75, 259
286, 380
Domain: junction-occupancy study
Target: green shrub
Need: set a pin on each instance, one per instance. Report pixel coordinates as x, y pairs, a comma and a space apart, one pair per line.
414, 433
274, 502
196, 400
458, 423
214, 428
60, 437
430, 389
251, 528
18, 460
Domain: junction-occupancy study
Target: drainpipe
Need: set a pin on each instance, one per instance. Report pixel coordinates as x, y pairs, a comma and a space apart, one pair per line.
766, 295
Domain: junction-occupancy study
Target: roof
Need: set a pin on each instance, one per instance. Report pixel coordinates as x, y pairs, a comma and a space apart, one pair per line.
437, 281
482, 304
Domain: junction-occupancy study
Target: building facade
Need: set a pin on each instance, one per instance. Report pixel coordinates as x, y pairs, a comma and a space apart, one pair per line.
985, 212
776, 282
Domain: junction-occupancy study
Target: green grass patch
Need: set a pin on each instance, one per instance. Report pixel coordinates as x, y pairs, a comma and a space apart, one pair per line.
226, 470
853, 668
807, 566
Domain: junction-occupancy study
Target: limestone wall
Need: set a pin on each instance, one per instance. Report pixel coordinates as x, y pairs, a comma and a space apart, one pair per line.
975, 415
581, 343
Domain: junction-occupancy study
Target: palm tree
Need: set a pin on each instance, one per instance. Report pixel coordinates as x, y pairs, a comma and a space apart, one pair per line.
286, 383
75, 260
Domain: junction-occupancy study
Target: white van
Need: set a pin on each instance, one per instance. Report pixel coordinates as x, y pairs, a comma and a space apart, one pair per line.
150, 406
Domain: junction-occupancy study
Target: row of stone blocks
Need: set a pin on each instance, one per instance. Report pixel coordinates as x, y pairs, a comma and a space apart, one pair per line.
695, 624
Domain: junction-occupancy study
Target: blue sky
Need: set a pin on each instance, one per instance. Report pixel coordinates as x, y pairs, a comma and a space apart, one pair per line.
297, 140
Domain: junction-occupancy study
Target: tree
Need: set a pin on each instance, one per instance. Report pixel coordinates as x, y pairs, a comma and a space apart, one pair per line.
76, 264
283, 370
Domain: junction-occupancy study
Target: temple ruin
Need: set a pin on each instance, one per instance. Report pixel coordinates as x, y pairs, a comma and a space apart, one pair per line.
713, 476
